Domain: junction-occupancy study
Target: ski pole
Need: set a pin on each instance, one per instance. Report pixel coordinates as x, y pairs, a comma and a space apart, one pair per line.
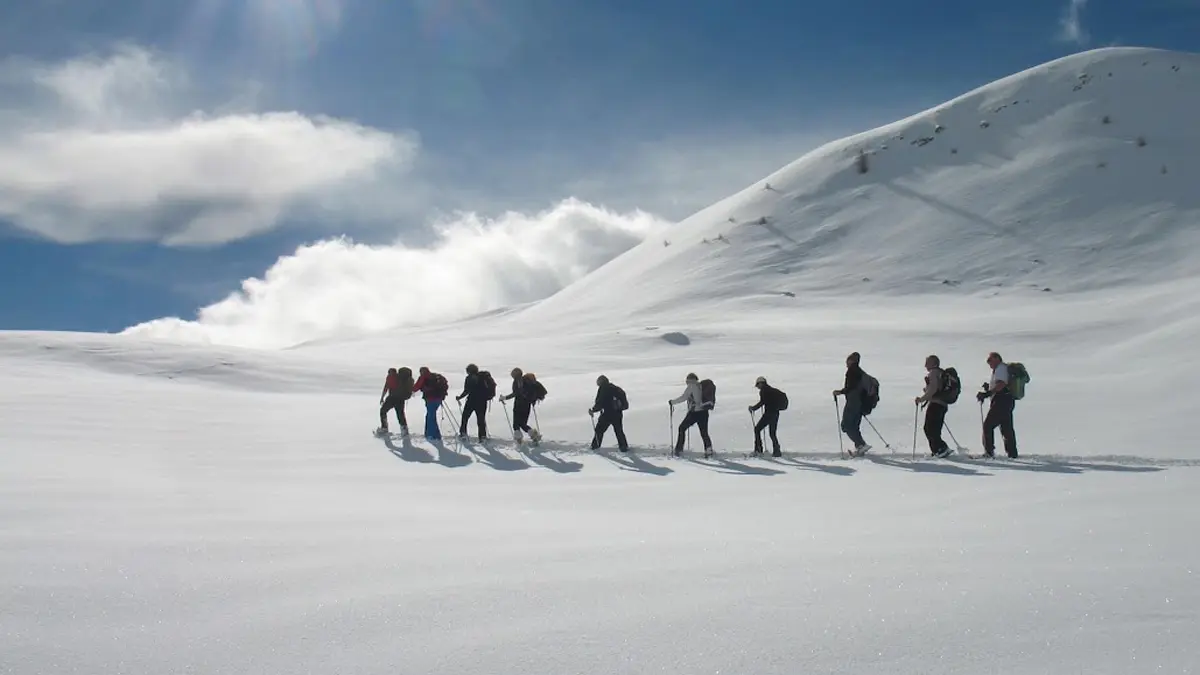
752, 430
885, 443
952, 437
671, 429
504, 404
916, 413
841, 443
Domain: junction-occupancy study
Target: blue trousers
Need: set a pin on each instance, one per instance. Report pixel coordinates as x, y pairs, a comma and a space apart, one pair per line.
431, 422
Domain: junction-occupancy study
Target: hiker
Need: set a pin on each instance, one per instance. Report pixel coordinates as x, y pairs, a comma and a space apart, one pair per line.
611, 403
1000, 414
397, 389
525, 390
434, 388
852, 411
935, 406
698, 409
478, 389
771, 400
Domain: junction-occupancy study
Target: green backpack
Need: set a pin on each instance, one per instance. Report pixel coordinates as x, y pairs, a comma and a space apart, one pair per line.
1018, 378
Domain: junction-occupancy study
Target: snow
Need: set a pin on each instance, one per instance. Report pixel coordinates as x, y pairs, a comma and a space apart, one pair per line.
169, 507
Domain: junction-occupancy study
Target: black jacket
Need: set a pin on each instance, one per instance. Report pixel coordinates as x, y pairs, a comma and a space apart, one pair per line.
527, 392
609, 399
854, 378
473, 388
769, 398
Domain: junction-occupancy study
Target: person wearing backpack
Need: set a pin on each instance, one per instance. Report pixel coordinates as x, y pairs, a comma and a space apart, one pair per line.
397, 389
855, 391
1000, 414
525, 392
936, 404
699, 406
611, 403
478, 389
434, 387
772, 401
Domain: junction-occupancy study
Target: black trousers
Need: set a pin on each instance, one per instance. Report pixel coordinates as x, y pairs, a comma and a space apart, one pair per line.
612, 419
698, 418
521, 410
393, 403
935, 419
479, 409
770, 422
1000, 415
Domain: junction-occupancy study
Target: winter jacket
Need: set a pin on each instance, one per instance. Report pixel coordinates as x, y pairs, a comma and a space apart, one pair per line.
525, 391
769, 398
691, 394
933, 384
607, 399
473, 389
854, 381
396, 386
423, 383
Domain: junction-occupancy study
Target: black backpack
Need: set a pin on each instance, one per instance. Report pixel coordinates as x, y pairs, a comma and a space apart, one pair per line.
781, 399
437, 387
708, 395
619, 398
487, 384
537, 391
951, 387
870, 394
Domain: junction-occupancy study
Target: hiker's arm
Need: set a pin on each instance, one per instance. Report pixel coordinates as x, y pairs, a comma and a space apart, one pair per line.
931, 388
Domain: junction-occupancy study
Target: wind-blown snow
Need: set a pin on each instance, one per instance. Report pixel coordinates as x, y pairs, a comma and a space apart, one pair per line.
179, 507
336, 287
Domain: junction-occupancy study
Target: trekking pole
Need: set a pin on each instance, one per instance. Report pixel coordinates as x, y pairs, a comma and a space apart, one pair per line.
752, 425
671, 429
953, 438
841, 443
916, 412
593, 416
504, 404
885, 443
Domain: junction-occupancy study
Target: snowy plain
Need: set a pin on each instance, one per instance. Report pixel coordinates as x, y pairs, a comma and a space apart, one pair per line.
176, 507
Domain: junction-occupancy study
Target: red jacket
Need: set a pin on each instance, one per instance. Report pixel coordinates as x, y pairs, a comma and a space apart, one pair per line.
420, 385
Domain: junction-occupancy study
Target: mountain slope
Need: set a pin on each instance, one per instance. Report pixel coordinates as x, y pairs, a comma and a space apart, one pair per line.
1035, 181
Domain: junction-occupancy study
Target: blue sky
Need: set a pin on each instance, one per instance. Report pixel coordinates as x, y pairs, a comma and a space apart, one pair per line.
441, 105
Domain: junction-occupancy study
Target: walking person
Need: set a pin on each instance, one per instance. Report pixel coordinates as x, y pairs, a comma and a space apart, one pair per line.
611, 403
1000, 414
523, 396
771, 401
935, 406
698, 409
397, 389
478, 388
434, 387
855, 392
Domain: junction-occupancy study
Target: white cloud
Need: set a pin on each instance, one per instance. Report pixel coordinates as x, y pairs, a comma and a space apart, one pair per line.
337, 287
1071, 23
98, 149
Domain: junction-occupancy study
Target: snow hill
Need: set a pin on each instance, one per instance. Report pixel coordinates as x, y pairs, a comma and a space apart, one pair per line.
183, 508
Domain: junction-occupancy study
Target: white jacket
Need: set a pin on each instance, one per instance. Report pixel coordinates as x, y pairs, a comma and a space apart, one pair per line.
691, 394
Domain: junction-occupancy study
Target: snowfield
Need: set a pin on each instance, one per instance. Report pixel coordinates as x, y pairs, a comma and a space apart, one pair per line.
168, 507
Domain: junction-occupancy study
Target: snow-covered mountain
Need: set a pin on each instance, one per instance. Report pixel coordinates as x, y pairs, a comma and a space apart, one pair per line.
172, 508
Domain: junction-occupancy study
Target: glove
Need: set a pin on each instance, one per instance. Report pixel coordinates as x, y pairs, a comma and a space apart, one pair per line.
981, 396
750, 408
